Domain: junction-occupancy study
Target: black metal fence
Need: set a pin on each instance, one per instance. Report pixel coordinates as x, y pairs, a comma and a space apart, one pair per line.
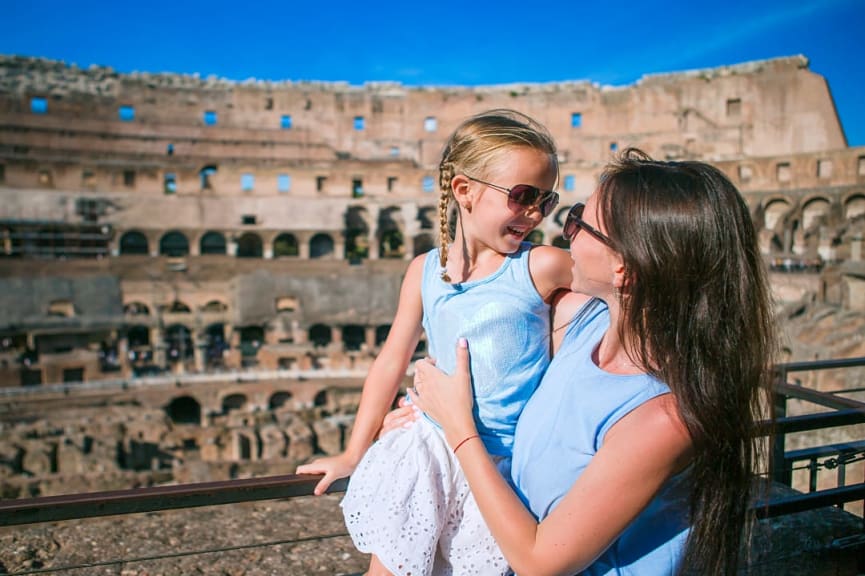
835, 456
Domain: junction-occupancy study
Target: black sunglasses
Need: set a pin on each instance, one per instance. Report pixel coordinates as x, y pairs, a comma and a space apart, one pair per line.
525, 195
574, 223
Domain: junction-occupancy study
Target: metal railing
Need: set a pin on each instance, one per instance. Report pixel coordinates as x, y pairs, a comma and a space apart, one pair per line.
845, 412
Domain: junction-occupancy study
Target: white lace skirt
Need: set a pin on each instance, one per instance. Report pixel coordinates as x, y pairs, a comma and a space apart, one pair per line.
408, 503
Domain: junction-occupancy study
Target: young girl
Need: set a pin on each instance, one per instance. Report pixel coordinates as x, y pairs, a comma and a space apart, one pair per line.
408, 503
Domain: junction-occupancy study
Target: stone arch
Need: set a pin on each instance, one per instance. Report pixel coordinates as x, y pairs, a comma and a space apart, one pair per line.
321, 245
177, 307
279, 399
251, 339
390, 232
423, 243
815, 211
353, 337
134, 242
356, 233
215, 306
174, 244
136, 309
854, 206
774, 212
178, 343
233, 402
138, 335
249, 245
320, 335
212, 242
184, 410
285, 245
205, 175
214, 344
320, 398
428, 217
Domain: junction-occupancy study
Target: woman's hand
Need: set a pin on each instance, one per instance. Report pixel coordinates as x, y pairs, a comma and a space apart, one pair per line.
446, 399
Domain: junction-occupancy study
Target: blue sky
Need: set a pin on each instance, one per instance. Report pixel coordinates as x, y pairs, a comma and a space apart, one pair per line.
448, 42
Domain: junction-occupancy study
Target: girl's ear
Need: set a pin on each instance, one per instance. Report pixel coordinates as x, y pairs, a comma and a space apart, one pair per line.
462, 191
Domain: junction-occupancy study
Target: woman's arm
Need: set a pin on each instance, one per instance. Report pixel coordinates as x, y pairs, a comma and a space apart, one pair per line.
638, 455
381, 384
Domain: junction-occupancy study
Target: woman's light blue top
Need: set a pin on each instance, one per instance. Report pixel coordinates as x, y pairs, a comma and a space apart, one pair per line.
564, 425
507, 325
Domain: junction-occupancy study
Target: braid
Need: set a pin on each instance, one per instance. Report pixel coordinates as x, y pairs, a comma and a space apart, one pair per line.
446, 174
477, 143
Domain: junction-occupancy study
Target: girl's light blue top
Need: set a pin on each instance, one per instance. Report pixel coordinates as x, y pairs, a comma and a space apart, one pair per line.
507, 325
564, 425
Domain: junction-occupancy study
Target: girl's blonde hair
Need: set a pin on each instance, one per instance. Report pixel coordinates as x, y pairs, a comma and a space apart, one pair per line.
476, 144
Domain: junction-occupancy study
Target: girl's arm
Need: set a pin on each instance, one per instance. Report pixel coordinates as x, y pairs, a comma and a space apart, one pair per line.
638, 455
382, 382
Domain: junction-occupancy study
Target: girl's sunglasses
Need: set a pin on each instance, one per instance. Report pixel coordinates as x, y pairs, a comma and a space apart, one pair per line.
525, 195
574, 223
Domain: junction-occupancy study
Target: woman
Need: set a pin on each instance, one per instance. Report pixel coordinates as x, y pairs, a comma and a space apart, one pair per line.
635, 454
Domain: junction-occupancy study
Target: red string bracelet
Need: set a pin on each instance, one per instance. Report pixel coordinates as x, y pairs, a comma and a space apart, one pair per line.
464, 440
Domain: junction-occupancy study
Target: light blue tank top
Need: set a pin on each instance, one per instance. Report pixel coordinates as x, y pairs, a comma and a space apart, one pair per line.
507, 325
564, 425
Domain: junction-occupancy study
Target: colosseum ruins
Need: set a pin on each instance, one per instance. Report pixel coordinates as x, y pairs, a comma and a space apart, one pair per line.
242, 243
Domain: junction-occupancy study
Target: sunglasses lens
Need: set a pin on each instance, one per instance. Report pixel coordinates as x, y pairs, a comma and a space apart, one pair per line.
523, 194
572, 222
548, 204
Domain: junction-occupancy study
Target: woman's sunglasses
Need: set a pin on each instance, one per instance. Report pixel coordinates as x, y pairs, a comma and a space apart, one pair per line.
574, 223
525, 195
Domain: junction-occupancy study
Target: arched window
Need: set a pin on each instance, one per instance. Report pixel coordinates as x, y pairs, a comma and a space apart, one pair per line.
392, 244
178, 341
134, 242
279, 399
184, 410
285, 245
136, 309
174, 244
233, 402
353, 337
249, 246
138, 336
320, 335
212, 243
320, 245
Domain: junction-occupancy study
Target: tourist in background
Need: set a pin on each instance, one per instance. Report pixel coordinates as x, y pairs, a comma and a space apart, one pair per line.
408, 503
636, 453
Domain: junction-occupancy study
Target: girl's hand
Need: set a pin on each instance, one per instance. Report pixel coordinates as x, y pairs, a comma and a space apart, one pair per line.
333, 468
447, 399
402, 417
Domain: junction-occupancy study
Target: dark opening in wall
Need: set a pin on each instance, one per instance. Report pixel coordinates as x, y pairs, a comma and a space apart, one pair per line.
356, 188
320, 182
391, 183
734, 107
129, 178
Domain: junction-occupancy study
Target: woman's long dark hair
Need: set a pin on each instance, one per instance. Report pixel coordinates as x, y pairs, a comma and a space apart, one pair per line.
697, 299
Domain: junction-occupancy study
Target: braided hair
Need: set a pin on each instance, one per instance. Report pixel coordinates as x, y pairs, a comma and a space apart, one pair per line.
476, 144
